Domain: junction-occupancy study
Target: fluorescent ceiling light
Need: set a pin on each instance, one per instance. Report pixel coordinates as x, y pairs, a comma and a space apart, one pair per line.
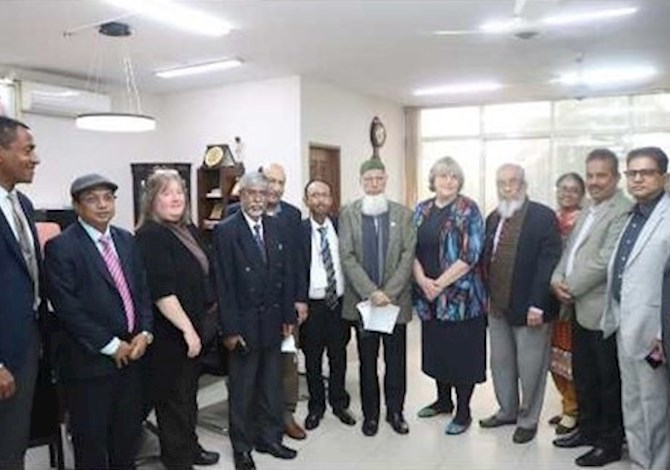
606, 76
460, 88
499, 27
587, 17
179, 16
200, 68
116, 122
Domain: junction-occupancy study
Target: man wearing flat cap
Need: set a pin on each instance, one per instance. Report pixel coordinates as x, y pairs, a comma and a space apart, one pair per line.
97, 285
377, 242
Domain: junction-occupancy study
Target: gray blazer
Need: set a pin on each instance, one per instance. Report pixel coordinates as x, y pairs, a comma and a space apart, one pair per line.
399, 259
665, 310
638, 317
588, 279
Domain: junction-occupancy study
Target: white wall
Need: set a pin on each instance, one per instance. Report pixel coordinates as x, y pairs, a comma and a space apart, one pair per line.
265, 114
337, 117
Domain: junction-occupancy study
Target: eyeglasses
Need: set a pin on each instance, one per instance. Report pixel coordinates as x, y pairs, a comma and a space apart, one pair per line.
93, 200
644, 173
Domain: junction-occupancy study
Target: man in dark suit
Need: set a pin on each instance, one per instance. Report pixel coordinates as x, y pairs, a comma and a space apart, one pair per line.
523, 246
98, 288
19, 277
324, 329
255, 287
289, 218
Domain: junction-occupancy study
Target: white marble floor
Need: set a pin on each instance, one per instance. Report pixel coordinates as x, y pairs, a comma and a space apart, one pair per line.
336, 446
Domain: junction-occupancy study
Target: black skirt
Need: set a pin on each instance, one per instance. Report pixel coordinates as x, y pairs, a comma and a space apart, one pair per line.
454, 352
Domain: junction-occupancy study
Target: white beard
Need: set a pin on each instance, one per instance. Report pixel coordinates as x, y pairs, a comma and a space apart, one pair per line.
374, 205
508, 207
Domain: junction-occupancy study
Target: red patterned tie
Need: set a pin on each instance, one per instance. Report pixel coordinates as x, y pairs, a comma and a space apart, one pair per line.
114, 267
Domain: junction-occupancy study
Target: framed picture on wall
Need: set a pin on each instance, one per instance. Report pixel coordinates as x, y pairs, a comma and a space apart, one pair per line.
8, 99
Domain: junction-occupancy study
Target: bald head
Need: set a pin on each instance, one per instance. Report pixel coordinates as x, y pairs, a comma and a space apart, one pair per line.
276, 177
511, 182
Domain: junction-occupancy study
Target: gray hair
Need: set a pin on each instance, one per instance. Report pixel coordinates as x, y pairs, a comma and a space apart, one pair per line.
518, 169
155, 183
445, 166
254, 178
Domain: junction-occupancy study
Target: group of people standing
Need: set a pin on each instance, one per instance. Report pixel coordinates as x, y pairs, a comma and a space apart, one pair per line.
579, 291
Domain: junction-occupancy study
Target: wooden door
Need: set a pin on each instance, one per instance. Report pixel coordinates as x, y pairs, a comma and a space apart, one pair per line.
324, 164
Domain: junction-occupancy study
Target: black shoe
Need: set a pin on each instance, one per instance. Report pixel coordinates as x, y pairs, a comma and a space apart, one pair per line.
494, 422
577, 439
598, 457
312, 421
370, 426
205, 457
397, 422
277, 450
345, 416
243, 461
523, 435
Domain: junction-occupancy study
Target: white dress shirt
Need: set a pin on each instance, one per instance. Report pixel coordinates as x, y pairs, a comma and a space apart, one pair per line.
318, 278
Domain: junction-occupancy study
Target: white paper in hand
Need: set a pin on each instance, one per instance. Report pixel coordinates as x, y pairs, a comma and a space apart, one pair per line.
376, 318
288, 345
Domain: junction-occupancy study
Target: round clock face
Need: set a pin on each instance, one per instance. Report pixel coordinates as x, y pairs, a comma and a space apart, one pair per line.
213, 156
379, 134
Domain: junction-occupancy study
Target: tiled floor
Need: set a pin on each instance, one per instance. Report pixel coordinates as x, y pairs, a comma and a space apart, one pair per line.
336, 446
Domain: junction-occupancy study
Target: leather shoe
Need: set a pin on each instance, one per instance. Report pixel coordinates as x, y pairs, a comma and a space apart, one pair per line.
576, 439
277, 450
345, 417
370, 427
397, 422
294, 431
494, 422
205, 457
312, 421
523, 435
598, 457
243, 461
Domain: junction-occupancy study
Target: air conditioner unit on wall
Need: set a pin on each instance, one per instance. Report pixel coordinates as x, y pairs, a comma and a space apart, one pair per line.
40, 98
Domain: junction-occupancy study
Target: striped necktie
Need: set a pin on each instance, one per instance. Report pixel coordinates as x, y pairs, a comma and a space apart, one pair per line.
114, 266
258, 238
27, 247
331, 286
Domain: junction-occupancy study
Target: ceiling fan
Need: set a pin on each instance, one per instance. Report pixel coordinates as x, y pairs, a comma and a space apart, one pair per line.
523, 27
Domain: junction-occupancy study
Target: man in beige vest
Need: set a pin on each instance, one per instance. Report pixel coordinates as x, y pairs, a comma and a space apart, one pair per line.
579, 282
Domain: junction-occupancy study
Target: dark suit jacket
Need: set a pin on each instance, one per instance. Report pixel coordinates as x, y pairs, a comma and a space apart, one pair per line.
289, 218
306, 242
255, 298
16, 302
87, 301
538, 252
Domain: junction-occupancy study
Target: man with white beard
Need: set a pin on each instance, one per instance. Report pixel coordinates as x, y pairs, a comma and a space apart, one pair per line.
523, 246
377, 243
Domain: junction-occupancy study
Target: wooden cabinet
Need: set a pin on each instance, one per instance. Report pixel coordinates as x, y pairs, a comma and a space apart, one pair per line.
214, 194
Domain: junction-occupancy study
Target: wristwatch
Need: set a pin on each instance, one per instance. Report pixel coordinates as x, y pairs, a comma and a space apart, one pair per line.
150, 337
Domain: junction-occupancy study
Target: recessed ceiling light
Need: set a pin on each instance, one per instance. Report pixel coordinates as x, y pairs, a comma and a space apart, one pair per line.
179, 16
460, 88
606, 76
588, 17
199, 68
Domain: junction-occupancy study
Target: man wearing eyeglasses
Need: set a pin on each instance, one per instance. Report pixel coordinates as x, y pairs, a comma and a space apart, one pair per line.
98, 289
633, 309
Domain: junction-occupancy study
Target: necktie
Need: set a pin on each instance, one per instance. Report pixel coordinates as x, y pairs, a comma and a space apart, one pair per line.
27, 247
259, 241
114, 266
331, 287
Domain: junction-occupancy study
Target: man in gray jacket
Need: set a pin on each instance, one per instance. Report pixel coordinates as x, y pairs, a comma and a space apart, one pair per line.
377, 243
579, 282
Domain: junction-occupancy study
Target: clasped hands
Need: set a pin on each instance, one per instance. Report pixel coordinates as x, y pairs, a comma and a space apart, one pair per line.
430, 287
132, 351
562, 292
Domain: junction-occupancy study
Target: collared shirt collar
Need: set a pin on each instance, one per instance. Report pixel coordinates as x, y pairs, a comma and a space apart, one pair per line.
646, 208
276, 210
251, 222
315, 225
93, 232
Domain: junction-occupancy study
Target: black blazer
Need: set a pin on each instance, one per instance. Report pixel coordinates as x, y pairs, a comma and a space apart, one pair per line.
87, 302
538, 253
306, 242
173, 270
255, 298
16, 304
289, 218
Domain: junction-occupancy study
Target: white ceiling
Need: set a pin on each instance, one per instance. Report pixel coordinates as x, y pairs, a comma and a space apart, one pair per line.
375, 47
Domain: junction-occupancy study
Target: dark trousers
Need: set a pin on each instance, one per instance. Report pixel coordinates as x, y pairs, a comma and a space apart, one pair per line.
175, 383
325, 330
15, 411
463, 396
106, 419
255, 387
595, 370
395, 375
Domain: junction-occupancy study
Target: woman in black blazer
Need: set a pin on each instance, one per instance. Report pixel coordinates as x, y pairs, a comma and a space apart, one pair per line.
180, 283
